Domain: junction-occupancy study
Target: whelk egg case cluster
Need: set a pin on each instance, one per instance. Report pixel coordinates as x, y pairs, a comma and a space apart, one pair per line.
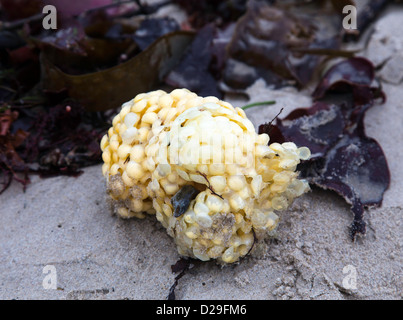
161, 146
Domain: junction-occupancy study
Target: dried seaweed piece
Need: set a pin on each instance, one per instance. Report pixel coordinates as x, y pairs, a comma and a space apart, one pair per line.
193, 70
343, 158
138, 74
181, 266
10, 160
62, 139
181, 200
267, 39
355, 75
204, 12
318, 127
356, 168
75, 53
152, 29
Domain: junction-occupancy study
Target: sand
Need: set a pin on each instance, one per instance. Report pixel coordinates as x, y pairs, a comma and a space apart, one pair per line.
65, 222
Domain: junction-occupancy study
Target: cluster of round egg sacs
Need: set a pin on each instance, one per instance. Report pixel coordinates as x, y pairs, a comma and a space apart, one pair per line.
161, 142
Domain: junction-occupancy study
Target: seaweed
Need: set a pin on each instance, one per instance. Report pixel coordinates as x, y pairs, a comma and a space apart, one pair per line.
343, 158
181, 267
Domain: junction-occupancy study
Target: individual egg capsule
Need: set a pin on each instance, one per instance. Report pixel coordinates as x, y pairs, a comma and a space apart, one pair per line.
136, 205
277, 188
192, 232
138, 97
114, 169
214, 203
105, 169
239, 219
246, 227
236, 182
139, 106
153, 108
194, 102
226, 208
258, 219
181, 105
189, 216
263, 139
276, 147
131, 119
144, 130
247, 239
125, 110
279, 203
183, 174
160, 218
256, 185
164, 169
218, 183
153, 100
235, 241
210, 99
241, 112
123, 212
171, 114
146, 178
171, 188
137, 153
201, 254
167, 210
304, 153
111, 132
177, 94
162, 114
262, 151
129, 136
202, 215
288, 164
203, 168
104, 142
106, 155
154, 185
289, 146
115, 158
217, 169
215, 251
116, 119
232, 169
157, 205
165, 101
129, 182
134, 170
244, 193
272, 221
236, 202
149, 164
114, 142
229, 255
124, 151
231, 141
152, 149
198, 178
283, 177
149, 118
